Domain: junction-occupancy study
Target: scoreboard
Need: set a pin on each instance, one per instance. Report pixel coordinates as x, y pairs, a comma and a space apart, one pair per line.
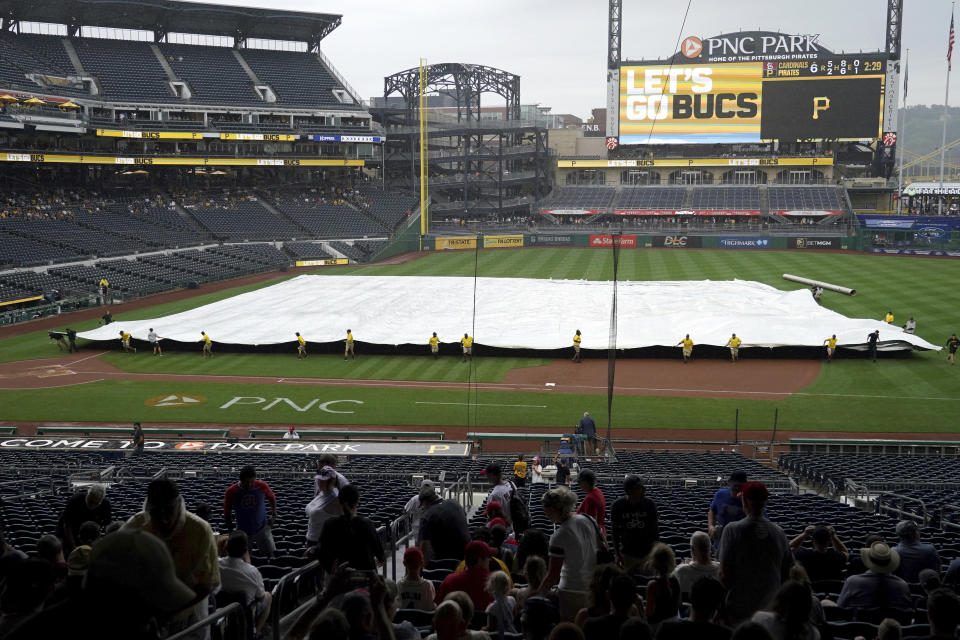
696, 99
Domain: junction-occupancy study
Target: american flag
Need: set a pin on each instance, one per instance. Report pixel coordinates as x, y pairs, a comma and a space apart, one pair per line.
950, 45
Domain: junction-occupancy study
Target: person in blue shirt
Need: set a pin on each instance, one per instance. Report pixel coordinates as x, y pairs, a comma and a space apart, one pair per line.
727, 505
588, 429
250, 498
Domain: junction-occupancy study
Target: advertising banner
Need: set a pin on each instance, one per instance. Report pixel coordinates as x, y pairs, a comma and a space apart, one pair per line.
806, 212
825, 161
455, 242
678, 242
352, 447
817, 243
607, 240
570, 212
327, 138
503, 241
542, 239
743, 242
256, 137
944, 223
320, 263
687, 212
150, 135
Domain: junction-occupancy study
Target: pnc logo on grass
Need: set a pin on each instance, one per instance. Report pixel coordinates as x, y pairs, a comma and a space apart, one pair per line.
174, 400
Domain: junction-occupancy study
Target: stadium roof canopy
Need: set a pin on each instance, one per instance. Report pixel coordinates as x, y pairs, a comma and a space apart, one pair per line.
171, 16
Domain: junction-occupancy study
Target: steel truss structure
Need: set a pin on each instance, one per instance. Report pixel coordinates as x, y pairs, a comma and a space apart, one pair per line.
478, 167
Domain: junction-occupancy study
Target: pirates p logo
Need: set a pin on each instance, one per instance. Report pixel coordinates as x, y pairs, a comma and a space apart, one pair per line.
820, 103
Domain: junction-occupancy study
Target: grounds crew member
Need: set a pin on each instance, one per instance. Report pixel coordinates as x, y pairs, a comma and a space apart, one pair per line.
125, 341
72, 339
348, 346
434, 345
687, 345
831, 343
155, 342
207, 351
734, 344
952, 343
576, 346
467, 343
888, 318
104, 289
301, 347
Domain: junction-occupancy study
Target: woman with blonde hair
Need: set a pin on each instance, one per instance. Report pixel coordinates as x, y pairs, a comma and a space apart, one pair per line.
573, 551
663, 592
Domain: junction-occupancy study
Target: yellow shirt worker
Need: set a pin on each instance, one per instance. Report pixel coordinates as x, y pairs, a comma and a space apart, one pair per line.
831, 343
348, 347
434, 344
125, 341
734, 344
888, 318
301, 347
207, 345
687, 345
576, 346
467, 343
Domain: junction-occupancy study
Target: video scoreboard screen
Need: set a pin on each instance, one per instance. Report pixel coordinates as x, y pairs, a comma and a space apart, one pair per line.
751, 99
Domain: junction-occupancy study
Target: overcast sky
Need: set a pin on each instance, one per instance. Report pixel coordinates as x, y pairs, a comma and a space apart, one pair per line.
558, 47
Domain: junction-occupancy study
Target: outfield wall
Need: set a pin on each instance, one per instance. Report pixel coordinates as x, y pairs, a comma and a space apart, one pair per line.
638, 241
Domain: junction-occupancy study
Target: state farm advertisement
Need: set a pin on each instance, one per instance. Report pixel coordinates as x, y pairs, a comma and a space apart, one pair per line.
608, 240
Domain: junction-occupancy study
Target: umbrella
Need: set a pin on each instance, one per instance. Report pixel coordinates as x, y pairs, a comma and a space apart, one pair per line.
34, 101
69, 105
7, 98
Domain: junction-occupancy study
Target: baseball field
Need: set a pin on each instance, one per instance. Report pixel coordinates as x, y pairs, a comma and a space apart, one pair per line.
914, 393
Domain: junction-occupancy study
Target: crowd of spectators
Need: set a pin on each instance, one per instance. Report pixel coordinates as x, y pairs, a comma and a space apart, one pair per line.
164, 569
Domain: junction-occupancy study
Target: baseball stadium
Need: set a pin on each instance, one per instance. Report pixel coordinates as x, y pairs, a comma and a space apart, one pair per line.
217, 256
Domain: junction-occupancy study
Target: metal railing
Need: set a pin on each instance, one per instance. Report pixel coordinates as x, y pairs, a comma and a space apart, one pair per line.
895, 503
218, 617
290, 580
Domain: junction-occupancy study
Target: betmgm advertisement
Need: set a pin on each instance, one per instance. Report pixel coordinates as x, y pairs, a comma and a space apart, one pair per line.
749, 102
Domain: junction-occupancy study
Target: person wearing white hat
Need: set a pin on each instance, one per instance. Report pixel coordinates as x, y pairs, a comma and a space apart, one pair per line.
877, 586
415, 508
536, 471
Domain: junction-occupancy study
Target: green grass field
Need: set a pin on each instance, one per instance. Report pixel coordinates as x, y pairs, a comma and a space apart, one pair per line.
919, 393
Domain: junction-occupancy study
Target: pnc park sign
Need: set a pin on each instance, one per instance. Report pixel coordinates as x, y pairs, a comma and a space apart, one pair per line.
176, 400
349, 448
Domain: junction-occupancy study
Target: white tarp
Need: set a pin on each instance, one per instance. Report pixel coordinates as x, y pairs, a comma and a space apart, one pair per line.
514, 313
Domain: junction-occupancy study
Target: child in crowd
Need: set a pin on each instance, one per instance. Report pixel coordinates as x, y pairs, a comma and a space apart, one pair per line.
416, 592
502, 611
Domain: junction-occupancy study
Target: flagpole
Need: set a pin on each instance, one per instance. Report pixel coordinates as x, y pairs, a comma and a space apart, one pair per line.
946, 101
903, 127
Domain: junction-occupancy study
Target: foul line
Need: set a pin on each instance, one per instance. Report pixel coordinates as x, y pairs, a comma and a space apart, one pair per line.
481, 404
50, 386
96, 355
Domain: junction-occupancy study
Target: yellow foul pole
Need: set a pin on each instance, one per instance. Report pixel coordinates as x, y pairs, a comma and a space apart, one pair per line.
424, 190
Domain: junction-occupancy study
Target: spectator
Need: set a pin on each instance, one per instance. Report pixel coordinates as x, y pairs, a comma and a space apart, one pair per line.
500, 612
415, 508
133, 572
635, 524
473, 580
50, 549
706, 596
238, 576
350, 538
250, 498
877, 586
700, 566
789, 616
403, 630
27, 586
89, 532
467, 611
505, 546
538, 618
443, 529
291, 434
416, 592
448, 623
139, 439
751, 630
929, 581
915, 556
817, 617
83, 506
593, 504
889, 629
827, 560
726, 506
331, 624
520, 471
563, 469
622, 596
536, 471
943, 612
599, 599
330, 460
635, 629
190, 542
324, 505
573, 551
952, 577
855, 561
663, 592
754, 556
533, 570
588, 429
533, 542
501, 491
363, 617
566, 631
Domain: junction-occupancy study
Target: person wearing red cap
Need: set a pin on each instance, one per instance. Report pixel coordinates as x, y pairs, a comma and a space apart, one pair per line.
755, 557
473, 580
416, 592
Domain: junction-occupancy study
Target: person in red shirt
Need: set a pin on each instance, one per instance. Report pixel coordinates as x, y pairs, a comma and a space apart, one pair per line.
472, 580
594, 504
250, 499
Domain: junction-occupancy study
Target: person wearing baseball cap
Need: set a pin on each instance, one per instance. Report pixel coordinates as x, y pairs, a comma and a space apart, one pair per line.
915, 556
443, 529
726, 506
755, 556
473, 580
861, 591
130, 570
415, 507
